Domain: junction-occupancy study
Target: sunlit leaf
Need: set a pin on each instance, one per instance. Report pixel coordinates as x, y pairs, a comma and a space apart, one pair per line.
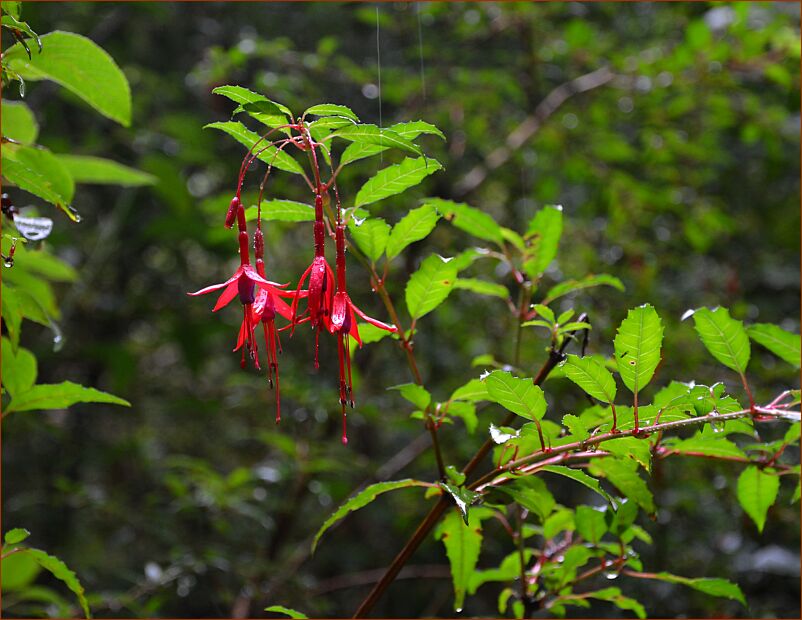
637, 347
414, 226
430, 285
395, 179
757, 490
783, 344
724, 337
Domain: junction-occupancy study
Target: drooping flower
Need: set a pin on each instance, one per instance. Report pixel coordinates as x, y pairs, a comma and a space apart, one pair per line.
344, 325
320, 292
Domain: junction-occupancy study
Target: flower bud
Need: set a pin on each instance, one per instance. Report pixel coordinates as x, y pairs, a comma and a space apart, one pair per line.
231, 214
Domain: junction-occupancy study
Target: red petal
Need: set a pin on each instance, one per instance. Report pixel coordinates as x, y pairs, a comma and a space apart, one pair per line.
228, 294
215, 287
339, 311
372, 321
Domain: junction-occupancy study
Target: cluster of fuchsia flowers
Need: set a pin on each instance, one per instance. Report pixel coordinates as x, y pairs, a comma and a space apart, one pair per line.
328, 306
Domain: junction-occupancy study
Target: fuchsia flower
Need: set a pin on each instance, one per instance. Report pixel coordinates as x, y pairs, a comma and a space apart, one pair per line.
320, 295
343, 323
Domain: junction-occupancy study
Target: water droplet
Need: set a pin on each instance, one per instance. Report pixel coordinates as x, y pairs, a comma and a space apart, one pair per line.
611, 574
9, 262
72, 213
458, 610
716, 425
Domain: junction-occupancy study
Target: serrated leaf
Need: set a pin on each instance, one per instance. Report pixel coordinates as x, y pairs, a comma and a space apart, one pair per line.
331, 109
12, 7
395, 179
757, 491
17, 122
18, 368
282, 211
61, 572
469, 219
290, 613
614, 596
626, 479
371, 134
591, 376
79, 65
576, 427
707, 447
631, 447
370, 236
462, 497
714, 587
570, 286
520, 396
725, 338
243, 96
590, 523
531, 493
414, 226
546, 228
60, 396
483, 287
101, 171
362, 499
783, 344
414, 393
463, 543
637, 347
580, 477
16, 535
473, 391
270, 155
38, 171
430, 285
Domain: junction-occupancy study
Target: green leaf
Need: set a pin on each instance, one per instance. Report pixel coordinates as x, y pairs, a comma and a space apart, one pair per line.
631, 447
463, 543
462, 497
17, 572
270, 154
104, 171
430, 285
361, 499
576, 427
546, 227
17, 535
17, 122
531, 493
60, 396
561, 520
11, 7
580, 477
614, 596
626, 479
408, 131
370, 236
714, 587
243, 96
12, 314
331, 109
469, 219
414, 226
282, 211
570, 286
757, 491
280, 609
414, 393
483, 287
38, 171
371, 134
724, 337
473, 391
12, 22
591, 376
637, 347
18, 369
395, 179
590, 523
80, 66
708, 447
520, 396
61, 572
783, 344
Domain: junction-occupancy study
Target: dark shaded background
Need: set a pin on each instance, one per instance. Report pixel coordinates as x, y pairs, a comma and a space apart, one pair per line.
681, 177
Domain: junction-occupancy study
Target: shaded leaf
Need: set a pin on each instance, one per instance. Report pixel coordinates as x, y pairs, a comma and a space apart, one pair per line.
17, 122
60, 396
546, 227
370, 236
103, 171
757, 491
783, 344
483, 287
570, 286
290, 613
270, 155
79, 65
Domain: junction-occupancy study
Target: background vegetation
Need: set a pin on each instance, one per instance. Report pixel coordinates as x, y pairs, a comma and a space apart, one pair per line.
679, 175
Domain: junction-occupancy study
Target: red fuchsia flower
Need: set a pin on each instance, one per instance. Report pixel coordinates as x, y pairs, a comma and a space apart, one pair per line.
343, 323
243, 284
320, 293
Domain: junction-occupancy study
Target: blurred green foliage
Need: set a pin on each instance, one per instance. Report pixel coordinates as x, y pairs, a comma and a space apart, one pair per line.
679, 176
